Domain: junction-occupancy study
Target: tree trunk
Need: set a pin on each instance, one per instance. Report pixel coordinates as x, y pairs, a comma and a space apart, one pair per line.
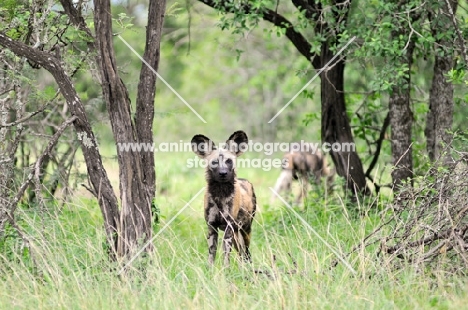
136, 170
144, 115
127, 228
401, 121
335, 123
440, 116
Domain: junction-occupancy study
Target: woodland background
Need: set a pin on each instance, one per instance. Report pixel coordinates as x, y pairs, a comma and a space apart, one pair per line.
74, 209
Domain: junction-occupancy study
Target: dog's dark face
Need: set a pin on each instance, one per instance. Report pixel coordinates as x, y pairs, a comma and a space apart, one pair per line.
221, 166
221, 163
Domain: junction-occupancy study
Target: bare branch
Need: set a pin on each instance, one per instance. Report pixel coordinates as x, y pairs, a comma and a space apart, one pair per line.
23, 119
77, 19
37, 167
431, 224
107, 199
385, 125
459, 33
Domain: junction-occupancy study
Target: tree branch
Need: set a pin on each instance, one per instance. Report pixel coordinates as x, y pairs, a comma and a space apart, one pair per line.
107, 199
312, 9
385, 125
75, 16
457, 29
38, 167
23, 119
296, 38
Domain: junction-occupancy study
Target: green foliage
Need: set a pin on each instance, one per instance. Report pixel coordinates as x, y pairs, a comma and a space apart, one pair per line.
367, 117
11, 245
457, 76
239, 20
18, 23
123, 21
459, 143
311, 117
174, 10
10, 10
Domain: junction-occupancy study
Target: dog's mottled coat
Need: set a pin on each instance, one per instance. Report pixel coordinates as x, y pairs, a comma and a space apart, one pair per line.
303, 166
230, 202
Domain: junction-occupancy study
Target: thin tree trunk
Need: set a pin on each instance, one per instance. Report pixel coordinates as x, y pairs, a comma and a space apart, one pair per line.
401, 121
440, 116
144, 115
136, 170
335, 123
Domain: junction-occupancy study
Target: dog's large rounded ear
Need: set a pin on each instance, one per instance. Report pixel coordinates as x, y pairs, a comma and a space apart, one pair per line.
202, 146
237, 143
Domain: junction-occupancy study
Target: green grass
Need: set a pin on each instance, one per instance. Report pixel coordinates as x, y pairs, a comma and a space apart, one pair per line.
66, 265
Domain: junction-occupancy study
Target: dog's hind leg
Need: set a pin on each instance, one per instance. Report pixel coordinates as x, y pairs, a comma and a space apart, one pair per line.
283, 183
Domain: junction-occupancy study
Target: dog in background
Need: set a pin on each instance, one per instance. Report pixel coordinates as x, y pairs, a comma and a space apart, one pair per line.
303, 165
230, 202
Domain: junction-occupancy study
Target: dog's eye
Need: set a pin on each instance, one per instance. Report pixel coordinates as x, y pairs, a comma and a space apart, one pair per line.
214, 162
229, 162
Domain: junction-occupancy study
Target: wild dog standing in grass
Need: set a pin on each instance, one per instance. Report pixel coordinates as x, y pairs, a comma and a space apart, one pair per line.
303, 165
230, 203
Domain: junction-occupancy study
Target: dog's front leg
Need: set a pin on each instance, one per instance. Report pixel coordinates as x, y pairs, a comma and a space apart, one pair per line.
227, 243
212, 243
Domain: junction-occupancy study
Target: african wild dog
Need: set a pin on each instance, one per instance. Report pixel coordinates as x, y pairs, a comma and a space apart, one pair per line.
303, 165
230, 203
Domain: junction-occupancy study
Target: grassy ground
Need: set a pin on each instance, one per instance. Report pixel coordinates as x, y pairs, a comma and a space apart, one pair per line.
66, 266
